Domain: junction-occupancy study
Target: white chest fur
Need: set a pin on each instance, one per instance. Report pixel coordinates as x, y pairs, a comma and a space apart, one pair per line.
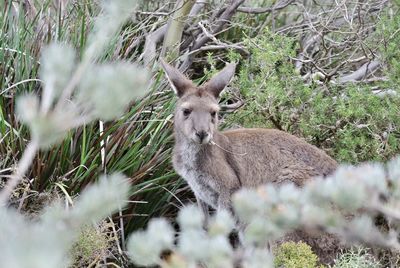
201, 183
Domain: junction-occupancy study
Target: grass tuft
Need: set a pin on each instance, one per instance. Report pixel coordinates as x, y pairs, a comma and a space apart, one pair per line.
356, 258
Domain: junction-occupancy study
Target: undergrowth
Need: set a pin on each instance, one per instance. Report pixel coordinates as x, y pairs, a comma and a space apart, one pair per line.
92, 245
356, 258
138, 144
295, 255
351, 122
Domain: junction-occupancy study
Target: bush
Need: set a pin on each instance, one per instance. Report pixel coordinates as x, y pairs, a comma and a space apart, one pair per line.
356, 258
350, 121
295, 255
194, 245
46, 241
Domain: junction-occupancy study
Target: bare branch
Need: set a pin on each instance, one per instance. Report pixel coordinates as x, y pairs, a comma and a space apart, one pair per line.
233, 106
152, 39
361, 73
218, 26
149, 51
221, 46
176, 24
260, 10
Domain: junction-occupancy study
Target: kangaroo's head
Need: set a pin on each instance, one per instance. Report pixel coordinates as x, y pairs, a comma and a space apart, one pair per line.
196, 113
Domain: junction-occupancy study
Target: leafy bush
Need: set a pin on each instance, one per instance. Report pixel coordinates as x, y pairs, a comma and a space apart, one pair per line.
356, 258
295, 255
350, 121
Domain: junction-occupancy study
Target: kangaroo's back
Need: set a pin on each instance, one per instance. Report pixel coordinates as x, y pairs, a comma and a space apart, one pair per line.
270, 155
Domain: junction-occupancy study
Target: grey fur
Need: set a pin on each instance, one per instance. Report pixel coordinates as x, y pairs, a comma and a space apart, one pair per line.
227, 161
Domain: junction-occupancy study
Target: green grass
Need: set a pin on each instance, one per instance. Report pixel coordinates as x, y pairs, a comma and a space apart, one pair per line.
139, 144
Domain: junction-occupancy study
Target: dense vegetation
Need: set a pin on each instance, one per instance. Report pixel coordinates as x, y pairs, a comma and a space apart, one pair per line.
327, 72
351, 121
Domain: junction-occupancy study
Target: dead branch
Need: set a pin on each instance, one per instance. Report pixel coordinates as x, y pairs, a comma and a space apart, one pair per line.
149, 51
216, 28
361, 73
176, 25
233, 106
198, 6
261, 10
155, 37
221, 46
333, 39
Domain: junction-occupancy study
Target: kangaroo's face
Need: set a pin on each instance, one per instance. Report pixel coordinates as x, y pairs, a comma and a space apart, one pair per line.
196, 116
196, 113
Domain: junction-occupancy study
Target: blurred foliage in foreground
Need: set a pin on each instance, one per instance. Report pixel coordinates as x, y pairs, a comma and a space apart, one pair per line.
269, 212
138, 143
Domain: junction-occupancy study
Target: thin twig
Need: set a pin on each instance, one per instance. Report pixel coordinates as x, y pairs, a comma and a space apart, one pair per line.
20, 83
261, 10
219, 24
22, 167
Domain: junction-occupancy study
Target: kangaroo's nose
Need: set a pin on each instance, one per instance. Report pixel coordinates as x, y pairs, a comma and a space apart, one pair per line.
201, 135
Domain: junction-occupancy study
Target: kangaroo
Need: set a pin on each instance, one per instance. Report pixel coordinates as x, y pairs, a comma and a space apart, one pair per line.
216, 164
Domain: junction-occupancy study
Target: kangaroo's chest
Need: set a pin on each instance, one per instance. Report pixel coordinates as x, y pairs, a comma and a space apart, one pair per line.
202, 184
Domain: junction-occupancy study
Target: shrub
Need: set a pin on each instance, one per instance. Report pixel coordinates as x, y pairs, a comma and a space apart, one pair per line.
356, 258
350, 121
295, 255
388, 31
194, 244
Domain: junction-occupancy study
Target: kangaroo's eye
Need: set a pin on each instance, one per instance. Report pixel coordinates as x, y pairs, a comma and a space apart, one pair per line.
186, 112
213, 114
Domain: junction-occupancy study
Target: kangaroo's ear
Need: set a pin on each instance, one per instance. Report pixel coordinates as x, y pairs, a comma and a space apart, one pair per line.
179, 83
218, 82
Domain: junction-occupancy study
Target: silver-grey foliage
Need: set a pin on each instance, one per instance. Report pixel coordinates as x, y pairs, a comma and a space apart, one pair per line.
74, 93
44, 242
344, 204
